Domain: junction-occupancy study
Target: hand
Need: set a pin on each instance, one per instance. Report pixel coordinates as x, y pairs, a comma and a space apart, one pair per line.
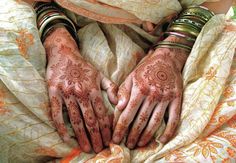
155, 85
77, 84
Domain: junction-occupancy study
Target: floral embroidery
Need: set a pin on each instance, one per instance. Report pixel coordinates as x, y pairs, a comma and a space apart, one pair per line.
210, 74
231, 152
3, 110
206, 148
232, 122
24, 40
46, 151
177, 154
228, 92
228, 136
226, 160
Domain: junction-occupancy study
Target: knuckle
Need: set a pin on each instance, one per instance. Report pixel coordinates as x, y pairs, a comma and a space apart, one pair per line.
168, 135
143, 90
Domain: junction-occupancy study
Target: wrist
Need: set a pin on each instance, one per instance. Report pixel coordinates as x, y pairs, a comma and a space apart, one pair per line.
177, 56
60, 42
179, 40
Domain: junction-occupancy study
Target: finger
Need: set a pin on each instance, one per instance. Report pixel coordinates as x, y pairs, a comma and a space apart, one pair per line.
154, 123
77, 123
91, 124
128, 115
111, 89
124, 93
174, 115
141, 121
148, 26
102, 116
117, 114
57, 116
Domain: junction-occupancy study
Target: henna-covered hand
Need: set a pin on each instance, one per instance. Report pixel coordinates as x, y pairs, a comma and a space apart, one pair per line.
77, 84
155, 85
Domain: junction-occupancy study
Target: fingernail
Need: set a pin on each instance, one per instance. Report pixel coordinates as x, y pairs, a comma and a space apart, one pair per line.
116, 139
141, 143
120, 104
130, 146
66, 139
98, 149
87, 148
163, 140
106, 143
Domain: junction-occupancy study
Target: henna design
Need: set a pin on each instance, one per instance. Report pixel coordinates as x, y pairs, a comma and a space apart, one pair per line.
143, 117
75, 73
75, 117
69, 75
60, 126
55, 104
99, 108
64, 50
157, 77
160, 76
89, 119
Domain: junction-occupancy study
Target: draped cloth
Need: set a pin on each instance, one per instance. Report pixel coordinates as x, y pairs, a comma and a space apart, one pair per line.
112, 40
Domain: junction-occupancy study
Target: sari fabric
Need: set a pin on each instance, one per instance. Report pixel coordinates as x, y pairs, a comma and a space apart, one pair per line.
207, 130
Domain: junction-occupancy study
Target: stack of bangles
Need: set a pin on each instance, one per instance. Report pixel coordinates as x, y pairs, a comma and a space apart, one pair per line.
49, 17
187, 26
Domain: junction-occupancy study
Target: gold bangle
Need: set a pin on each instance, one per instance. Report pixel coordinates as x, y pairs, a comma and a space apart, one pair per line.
190, 22
198, 11
184, 25
194, 18
184, 29
174, 44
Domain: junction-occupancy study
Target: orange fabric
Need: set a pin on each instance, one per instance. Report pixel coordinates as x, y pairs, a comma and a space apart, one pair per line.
74, 153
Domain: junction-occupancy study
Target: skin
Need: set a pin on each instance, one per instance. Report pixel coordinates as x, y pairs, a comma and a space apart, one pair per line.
151, 90
154, 85
75, 83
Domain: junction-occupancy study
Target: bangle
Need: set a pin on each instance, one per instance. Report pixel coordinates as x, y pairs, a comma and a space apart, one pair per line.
167, 44
187, 26
200, 12
52, 18
190, 22
49, 17
166, 34
184, 29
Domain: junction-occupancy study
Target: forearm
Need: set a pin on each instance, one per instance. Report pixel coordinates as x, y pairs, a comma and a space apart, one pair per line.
219, 7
